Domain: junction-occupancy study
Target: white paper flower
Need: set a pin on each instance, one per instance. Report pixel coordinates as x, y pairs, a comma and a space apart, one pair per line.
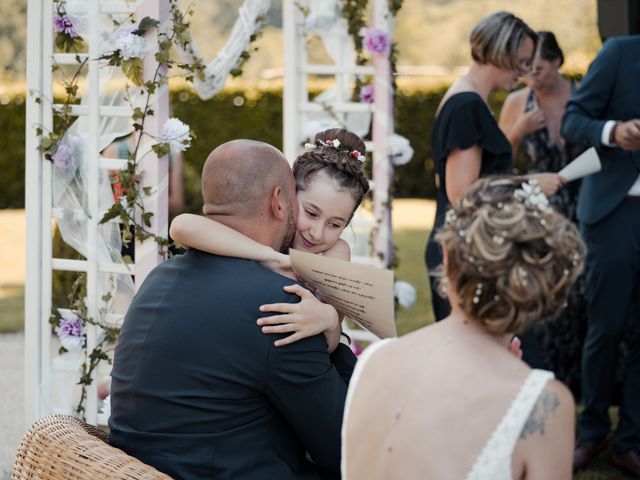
530, 194
400, 149
105, 409
405, 293
177, 134
130, 44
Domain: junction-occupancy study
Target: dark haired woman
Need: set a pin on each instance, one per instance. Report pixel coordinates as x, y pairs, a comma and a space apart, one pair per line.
330, 185
531, 119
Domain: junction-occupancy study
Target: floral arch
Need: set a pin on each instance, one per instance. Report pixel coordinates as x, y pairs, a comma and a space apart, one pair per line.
98, 70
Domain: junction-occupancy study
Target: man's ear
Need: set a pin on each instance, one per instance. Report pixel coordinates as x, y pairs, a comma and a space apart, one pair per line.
277, 204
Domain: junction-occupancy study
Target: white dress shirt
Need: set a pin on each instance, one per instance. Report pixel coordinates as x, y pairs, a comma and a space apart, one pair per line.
606, 135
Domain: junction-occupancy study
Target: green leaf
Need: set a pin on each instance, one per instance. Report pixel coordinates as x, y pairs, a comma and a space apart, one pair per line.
161, 149
113, 212
137, 114
150, 86
127, 259
134, 71
145, 25
146, 218
147, 190
162, 57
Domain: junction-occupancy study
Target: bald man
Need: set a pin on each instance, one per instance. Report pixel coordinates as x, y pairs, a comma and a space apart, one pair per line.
198, 391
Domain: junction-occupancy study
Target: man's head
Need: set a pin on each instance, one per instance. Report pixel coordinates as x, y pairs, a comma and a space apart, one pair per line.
248, 186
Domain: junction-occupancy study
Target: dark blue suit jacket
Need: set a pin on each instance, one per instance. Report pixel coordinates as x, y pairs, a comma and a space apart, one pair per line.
200, 393
609, 91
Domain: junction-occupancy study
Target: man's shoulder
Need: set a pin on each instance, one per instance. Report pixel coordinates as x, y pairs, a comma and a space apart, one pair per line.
621, 45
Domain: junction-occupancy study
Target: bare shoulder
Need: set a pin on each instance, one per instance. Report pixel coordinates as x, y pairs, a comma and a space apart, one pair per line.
546, 442
554, 409
340, 251
515, 101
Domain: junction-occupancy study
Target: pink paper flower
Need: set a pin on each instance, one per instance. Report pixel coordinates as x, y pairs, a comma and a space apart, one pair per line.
375, 40
70, 330
367, 94
63, 24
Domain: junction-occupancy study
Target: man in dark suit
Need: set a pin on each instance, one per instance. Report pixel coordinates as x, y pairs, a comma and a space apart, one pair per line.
605, 112
198, 391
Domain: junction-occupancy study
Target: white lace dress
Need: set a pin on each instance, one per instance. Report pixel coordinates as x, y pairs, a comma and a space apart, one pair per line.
494, 461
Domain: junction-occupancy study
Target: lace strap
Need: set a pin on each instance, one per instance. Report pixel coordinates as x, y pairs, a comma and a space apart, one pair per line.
496, 454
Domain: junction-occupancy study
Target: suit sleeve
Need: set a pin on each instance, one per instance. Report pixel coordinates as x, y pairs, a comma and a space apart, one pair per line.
309, 390
584, 117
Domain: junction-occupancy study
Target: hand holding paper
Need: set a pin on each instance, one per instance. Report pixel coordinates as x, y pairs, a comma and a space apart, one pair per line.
363, 293
584, 164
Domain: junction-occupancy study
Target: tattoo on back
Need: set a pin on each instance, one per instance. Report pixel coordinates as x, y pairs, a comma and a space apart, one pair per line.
545, 405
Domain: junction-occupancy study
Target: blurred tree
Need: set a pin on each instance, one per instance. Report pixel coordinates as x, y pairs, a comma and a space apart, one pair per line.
428, 32
13, 39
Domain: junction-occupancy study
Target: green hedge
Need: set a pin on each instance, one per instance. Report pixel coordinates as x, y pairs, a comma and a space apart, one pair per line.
239, 114
12, 119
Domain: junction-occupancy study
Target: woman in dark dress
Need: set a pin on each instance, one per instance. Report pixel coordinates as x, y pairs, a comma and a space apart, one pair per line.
466, 141
531, 119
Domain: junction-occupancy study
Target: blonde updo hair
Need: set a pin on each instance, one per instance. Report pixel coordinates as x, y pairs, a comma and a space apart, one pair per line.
510, 260
496, 39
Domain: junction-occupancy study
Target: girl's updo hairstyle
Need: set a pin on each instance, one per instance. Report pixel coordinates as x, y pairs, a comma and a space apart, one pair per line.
338, 163
496, 39
510, 258
548, 48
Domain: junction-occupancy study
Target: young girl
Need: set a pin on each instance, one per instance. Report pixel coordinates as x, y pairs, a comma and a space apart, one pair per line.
330, 185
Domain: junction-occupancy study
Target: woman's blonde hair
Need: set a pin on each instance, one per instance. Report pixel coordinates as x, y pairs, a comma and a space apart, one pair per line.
496, 39
510, 258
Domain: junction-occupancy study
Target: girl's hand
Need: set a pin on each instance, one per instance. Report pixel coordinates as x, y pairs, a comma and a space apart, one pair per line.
307, 318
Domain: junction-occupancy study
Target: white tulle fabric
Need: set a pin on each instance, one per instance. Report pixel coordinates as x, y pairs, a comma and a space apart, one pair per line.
494, 461
70, 185
217, 71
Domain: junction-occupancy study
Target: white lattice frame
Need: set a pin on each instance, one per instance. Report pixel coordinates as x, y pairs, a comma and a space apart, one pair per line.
39, 262
38, 194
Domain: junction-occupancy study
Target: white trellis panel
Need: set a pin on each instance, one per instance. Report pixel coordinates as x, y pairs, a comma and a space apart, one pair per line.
38, 198
296, 106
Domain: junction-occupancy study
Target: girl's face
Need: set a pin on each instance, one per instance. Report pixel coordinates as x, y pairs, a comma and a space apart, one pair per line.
324, 211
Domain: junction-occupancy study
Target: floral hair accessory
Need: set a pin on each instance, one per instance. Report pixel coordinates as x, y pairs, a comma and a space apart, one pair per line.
530, 194
338, 146
357, 155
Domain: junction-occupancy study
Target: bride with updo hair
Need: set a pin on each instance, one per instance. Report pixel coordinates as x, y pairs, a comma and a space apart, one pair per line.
449, 400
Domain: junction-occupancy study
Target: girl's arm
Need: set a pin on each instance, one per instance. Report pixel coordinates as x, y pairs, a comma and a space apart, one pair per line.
310, 316
202, 233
